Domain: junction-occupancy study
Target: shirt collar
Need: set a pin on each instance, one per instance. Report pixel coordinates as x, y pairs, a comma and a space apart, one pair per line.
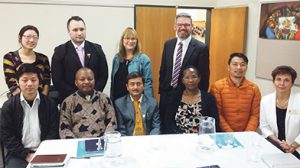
81, 45
88, 96
140, 99
185, 42
22, 98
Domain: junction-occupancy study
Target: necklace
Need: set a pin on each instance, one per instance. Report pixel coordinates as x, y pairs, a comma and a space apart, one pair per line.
282, 104
191, 99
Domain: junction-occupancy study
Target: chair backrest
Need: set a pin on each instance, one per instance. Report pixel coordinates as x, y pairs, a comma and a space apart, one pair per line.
2, 148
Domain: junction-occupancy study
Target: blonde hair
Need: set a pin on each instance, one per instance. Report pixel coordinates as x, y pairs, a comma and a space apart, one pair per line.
128, 32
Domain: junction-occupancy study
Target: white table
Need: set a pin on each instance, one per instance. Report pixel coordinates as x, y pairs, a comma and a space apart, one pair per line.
167, 151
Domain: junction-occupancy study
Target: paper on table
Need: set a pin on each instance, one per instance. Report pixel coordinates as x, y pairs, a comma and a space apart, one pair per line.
281, 160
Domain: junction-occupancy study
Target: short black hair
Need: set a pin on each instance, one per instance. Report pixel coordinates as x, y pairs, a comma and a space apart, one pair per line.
77, 18
193, 67
237, 54
25, 28
134, 75
27, 68
284, 69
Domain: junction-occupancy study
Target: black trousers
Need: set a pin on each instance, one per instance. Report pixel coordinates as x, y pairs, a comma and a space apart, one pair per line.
15, 162
168, 106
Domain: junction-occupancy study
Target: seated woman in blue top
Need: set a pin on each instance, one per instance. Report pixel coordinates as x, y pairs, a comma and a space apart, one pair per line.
193, 104
129, 59
280, 112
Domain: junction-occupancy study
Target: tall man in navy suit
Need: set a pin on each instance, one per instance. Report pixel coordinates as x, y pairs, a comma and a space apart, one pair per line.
178, 53
137, 114
75, 54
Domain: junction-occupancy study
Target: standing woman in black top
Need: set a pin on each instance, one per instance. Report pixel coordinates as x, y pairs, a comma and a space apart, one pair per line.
28, 39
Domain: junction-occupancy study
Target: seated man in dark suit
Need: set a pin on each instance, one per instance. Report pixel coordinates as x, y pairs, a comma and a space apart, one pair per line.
27, 119
137, 114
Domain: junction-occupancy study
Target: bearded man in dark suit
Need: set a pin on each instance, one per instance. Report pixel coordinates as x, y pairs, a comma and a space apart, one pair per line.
75, 54
178, 53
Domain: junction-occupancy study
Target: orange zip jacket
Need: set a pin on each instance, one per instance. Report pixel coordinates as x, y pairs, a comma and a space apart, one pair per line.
238, 106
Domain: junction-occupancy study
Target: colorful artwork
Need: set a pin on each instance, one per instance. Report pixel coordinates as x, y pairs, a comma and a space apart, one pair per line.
280, 21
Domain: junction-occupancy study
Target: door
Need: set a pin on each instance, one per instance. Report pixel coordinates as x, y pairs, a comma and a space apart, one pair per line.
154, 26
227, 35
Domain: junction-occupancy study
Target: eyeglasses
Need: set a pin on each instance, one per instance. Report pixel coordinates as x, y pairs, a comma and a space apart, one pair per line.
128, 38
31, 37
183, 24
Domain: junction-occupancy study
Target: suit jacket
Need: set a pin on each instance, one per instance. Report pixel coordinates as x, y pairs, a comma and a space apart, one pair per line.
268, 120
125, 115
65, 63
197, 55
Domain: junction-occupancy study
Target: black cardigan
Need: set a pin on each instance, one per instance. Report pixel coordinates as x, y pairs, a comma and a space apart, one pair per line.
11, 124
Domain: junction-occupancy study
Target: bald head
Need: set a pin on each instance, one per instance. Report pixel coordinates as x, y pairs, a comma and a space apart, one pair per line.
85, 80
84, 70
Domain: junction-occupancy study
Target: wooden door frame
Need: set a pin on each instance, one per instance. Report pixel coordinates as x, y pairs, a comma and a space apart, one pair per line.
208, 17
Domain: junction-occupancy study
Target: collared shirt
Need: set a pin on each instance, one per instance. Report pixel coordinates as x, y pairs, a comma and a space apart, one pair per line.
185, 45
140, 99
81, 45
31, 125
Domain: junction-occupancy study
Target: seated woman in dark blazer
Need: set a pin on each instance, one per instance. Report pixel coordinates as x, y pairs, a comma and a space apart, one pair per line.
194, 104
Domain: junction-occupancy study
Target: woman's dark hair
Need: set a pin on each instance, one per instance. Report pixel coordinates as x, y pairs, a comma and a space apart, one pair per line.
284, 69
25, 28
193, 67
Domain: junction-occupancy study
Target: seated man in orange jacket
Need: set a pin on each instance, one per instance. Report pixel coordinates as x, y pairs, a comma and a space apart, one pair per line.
238, 100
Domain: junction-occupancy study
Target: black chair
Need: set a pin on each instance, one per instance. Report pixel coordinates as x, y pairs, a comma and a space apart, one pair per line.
2, 148
2, 153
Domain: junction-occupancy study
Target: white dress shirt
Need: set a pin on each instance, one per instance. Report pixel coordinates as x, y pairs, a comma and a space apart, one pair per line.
31, 125
185, 45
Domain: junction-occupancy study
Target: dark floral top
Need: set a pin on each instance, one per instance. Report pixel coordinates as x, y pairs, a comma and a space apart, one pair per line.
188, 116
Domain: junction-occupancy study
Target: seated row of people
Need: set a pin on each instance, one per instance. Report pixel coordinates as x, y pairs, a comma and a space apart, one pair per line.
29, 117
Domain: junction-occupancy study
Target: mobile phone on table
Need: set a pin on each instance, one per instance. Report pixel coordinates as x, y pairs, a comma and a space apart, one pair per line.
210, 166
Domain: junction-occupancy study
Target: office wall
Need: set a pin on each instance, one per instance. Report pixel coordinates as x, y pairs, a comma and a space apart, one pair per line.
105, 21
266, 86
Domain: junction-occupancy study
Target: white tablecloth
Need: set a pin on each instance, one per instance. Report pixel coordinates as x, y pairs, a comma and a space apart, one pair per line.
168, 151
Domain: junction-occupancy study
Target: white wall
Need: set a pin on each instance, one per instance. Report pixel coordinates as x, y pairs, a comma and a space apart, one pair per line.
266, 86
105, 21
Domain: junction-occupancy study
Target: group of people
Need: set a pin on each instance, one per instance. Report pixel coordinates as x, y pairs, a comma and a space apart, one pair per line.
79, 72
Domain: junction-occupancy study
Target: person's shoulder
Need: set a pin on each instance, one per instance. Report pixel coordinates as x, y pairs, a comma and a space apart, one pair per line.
89, 43
150, 99
62, 47
116, 57
121, 100
172, 40
41, 56
220, 82
268, 97
252, 85
10, 55
143, 56
198, 43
